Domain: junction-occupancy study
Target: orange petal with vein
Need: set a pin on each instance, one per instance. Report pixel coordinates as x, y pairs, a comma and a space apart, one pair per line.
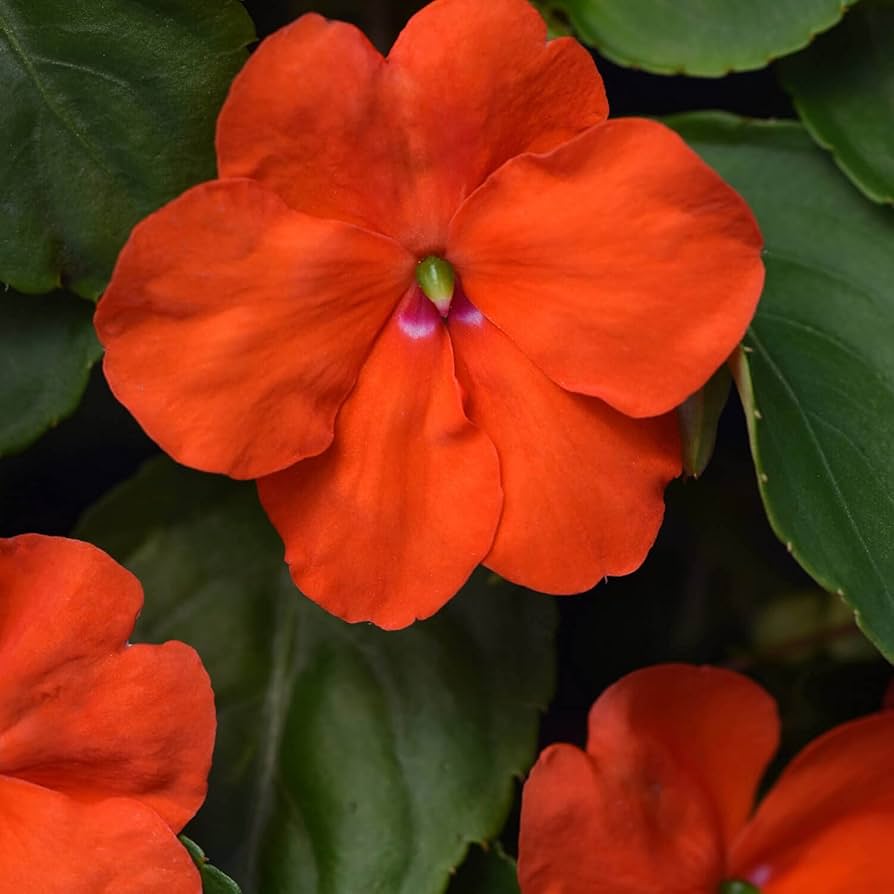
235, 327
389, 523
673, 759
620, 263
82, 712
53, 844
583, 484
826, 824
395, 145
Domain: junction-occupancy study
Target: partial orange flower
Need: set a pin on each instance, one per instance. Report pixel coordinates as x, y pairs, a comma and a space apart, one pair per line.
662, 798
104, 747
437, 305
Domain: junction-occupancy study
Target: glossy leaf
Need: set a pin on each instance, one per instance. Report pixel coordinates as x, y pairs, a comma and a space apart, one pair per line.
107, 111
486, 872
843, 89
700, 37
47, 347
349, 759
213, 880
817, 373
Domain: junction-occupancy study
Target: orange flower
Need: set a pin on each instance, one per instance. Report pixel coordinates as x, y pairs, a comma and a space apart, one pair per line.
104, 747
660, 800
437, 305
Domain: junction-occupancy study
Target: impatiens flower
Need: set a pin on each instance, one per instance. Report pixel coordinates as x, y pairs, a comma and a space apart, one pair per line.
104, 747
662, 798
437, 305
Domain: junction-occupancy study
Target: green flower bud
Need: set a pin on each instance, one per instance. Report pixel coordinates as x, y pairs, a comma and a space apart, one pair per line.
738, 887
436, 279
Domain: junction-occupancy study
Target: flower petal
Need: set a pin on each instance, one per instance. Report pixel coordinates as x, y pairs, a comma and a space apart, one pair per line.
826, 823
851, 856
388, 524
62, 600
55, 845
82, 713
587, 830
620, 263
673, 758
235, 327
583, 485
319, 116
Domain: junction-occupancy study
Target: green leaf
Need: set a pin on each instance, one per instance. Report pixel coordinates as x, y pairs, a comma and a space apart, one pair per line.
817, 374
107, 110
213, 880
486, 872
700, 37
47, 347
348, 759
843, 89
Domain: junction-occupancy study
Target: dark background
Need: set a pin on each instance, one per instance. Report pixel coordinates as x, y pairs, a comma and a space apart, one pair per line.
711, 586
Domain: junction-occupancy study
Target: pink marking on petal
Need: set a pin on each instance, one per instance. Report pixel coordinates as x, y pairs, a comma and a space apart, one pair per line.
463, 311
417, 316
761, 875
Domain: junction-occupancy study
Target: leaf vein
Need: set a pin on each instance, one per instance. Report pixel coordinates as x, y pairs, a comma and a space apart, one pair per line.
830, 475
19, 51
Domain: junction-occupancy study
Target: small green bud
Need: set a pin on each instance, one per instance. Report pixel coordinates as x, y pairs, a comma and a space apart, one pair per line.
436, 279
738, 887
699, 417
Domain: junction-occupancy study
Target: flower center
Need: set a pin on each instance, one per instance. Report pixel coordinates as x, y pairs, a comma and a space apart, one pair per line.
437, 279
738, 887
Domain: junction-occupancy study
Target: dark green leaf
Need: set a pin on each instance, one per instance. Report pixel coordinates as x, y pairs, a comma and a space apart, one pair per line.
817, 375
47, 347
486, 872
700, 37
107, 110
699, 417
213, 880
349, 759
843, 88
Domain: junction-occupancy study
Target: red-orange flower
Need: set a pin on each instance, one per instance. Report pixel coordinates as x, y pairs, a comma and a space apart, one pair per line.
269, 324
662, 798
104, 747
